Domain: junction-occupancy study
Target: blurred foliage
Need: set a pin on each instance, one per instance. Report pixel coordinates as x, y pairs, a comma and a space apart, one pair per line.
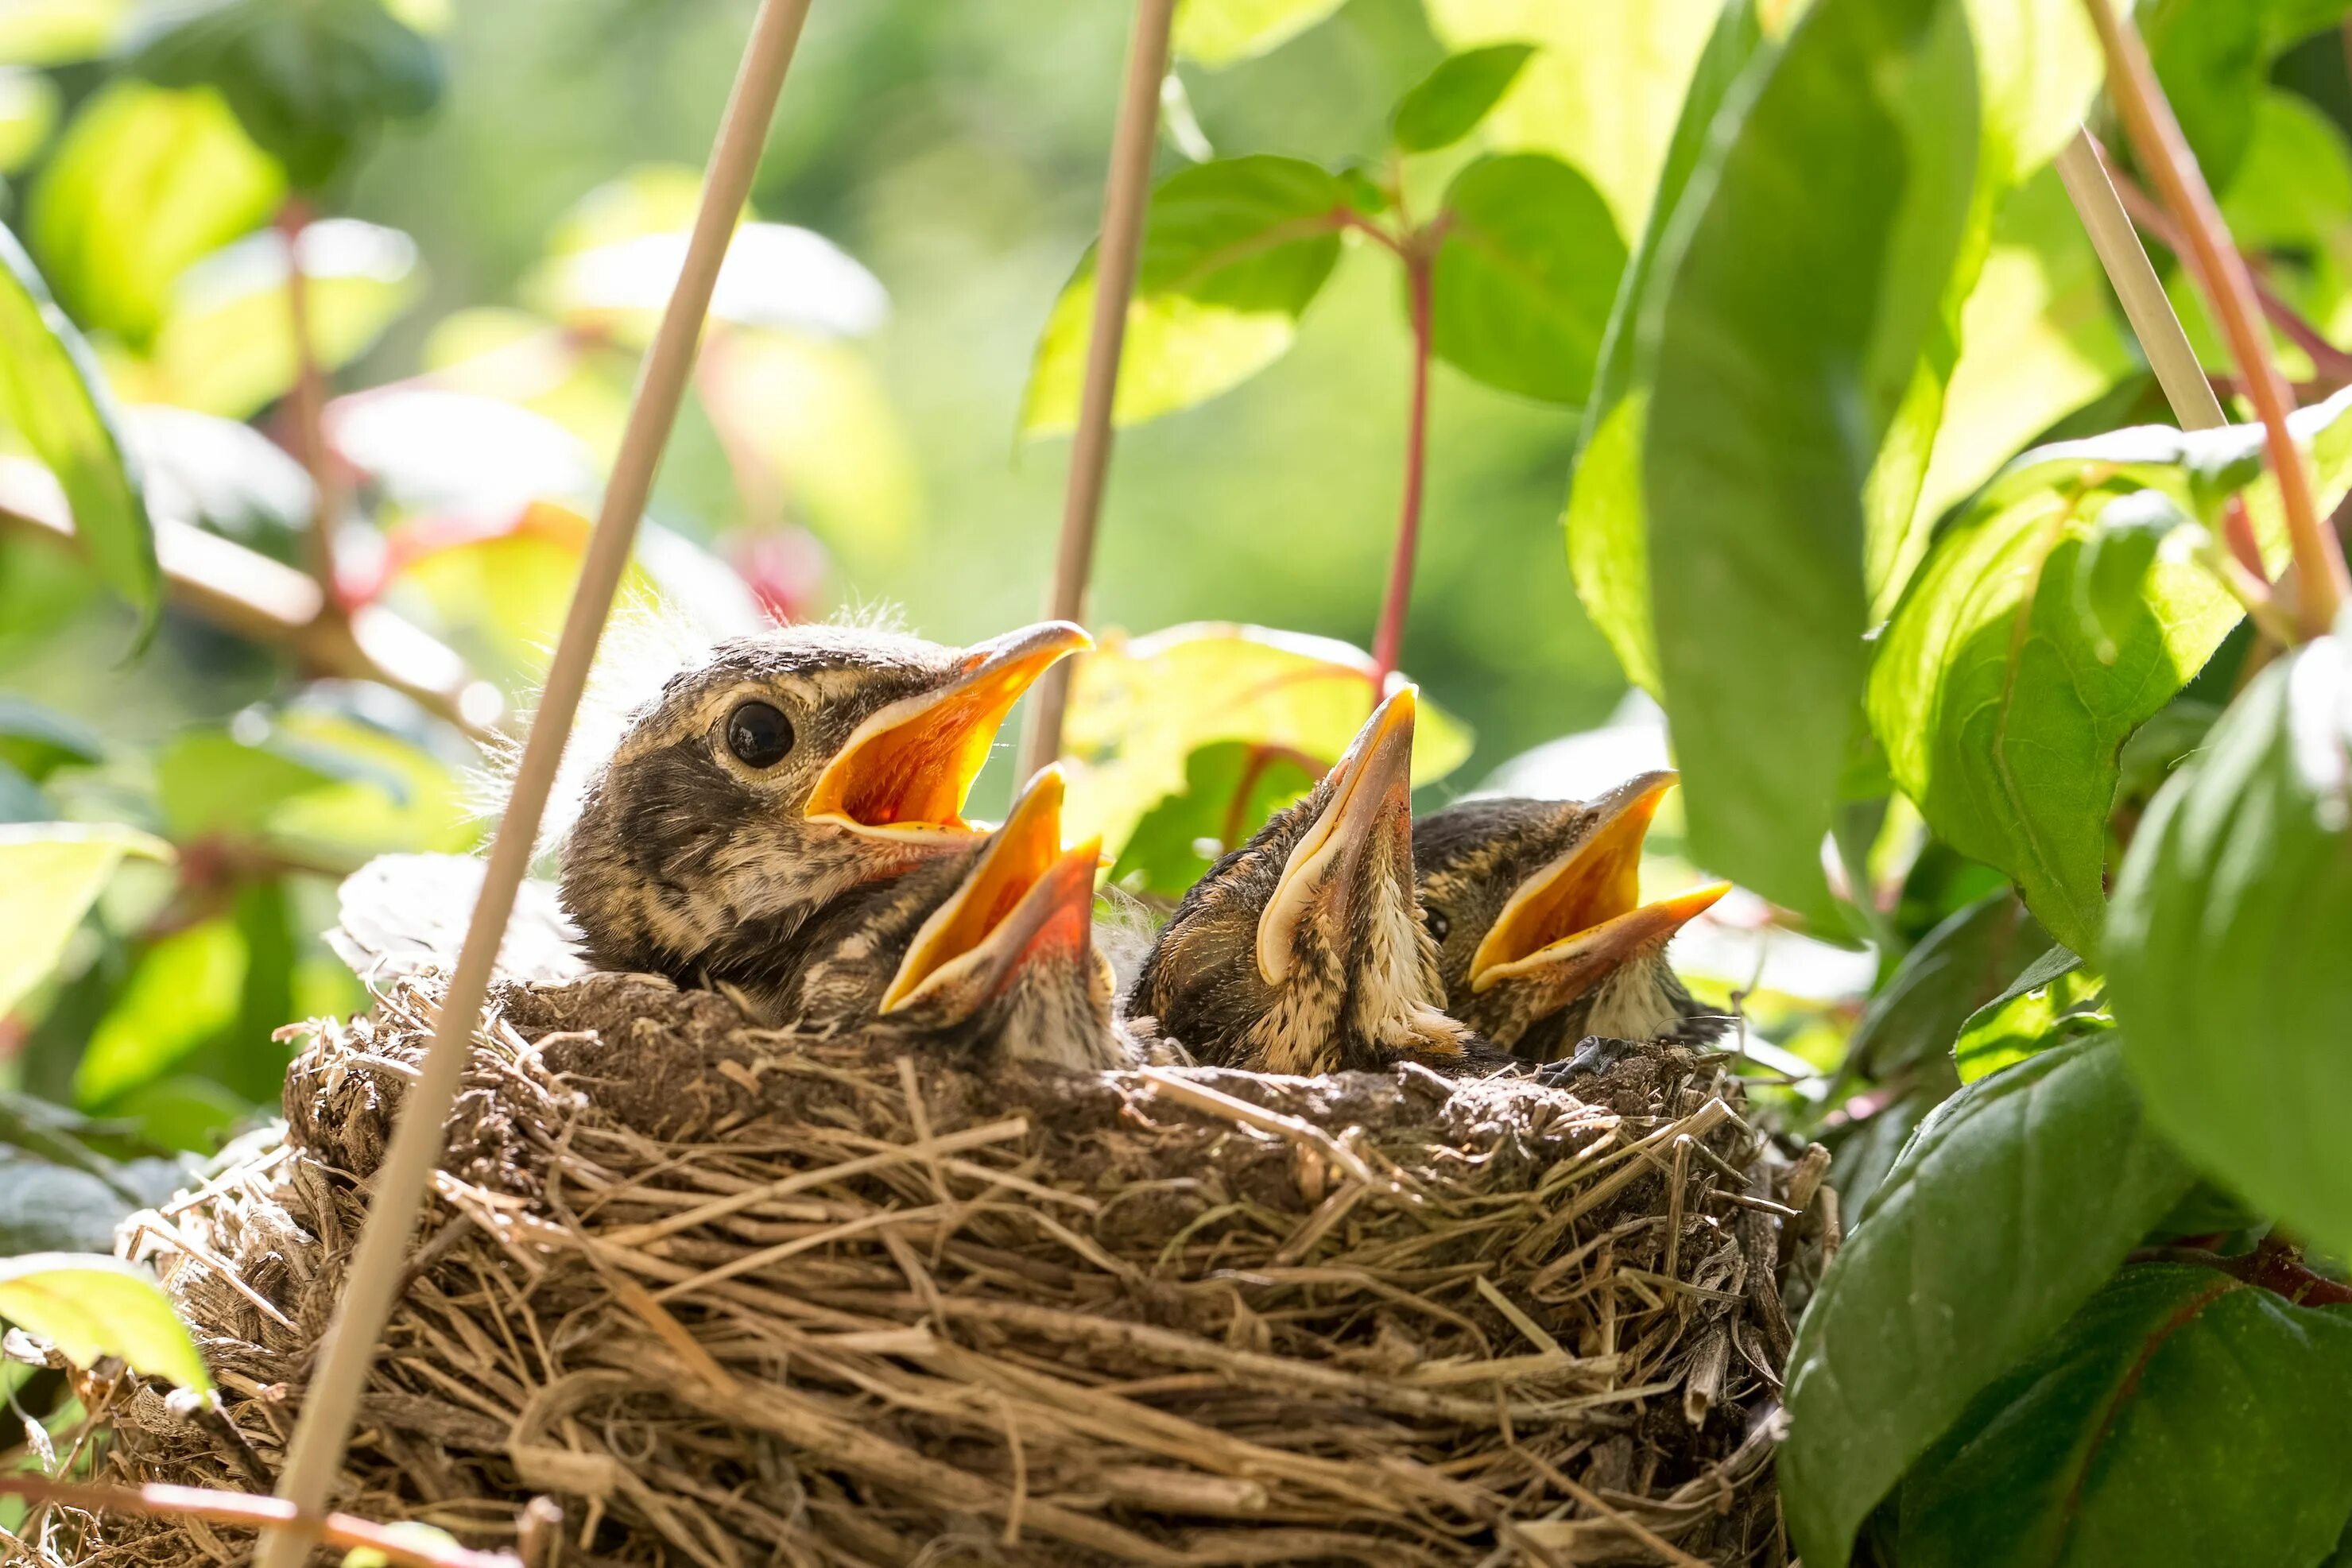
317, 328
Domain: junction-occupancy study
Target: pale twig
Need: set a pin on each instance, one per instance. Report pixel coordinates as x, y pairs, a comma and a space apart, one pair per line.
1126, 195
330, 1403
348, 1531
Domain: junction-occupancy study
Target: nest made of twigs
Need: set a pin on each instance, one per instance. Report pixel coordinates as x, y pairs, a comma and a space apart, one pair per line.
730, 1295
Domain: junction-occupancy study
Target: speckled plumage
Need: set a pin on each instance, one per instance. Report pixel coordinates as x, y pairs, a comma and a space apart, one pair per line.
1469, 859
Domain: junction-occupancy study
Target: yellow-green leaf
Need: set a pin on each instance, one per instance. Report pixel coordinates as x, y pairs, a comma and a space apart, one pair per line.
50, 874
91, 1307
1219, 32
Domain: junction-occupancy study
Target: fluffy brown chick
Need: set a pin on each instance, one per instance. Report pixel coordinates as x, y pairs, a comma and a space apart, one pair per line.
1302, 951
787, 772
1542, 938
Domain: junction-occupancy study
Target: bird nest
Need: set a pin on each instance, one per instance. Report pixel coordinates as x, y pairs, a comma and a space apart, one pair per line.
727, 1295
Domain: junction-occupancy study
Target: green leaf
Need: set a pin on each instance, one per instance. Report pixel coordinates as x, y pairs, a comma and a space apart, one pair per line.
1525, 276
226, 344
774, 278
36, 741
1999, 717
2227, 944
1447, 104
1808, 282
1954, 970
312, 81
146, 181
1234, 252
1980, 1243
52, 392
1231, 789
2213, 66
1140, 708
91, 1307
21, 799
2111, 574
54, 31
2134, 1435
1608, 545
2028, 1019
1221, 31
183, 991
210, 782
29, 112
1604, 89
225, 477
50, 874
47, 1206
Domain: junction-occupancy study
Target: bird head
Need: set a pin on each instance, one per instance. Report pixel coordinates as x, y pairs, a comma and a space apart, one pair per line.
1004, 964
1541, 934
779, 774
1302, 951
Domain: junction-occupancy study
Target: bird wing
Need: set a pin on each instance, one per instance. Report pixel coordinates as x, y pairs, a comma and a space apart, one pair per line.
400, 914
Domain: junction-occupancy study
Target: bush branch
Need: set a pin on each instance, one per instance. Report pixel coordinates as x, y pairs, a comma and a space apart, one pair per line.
246, 594
346, 1532
2321, 580
2275, 1265
1387, 639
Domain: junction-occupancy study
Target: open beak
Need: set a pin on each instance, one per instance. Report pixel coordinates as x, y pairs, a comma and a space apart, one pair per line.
1025, 898
1582, 916
906, 770
1369, 809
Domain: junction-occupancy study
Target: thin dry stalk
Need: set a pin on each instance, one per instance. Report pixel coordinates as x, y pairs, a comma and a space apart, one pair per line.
399, 1197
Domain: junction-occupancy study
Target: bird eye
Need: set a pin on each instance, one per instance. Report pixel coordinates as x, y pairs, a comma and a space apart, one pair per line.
1437, 923
758, 734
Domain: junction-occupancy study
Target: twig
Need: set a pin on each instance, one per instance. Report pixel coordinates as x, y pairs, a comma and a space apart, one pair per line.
1126, 195
309, 406
348, 1531
332, 1401
2274, 1265
2133, 277
2321, 580
2332, 362
248, 594
1387, 639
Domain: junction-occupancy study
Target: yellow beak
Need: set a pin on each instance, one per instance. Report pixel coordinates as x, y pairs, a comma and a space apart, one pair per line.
1372, 792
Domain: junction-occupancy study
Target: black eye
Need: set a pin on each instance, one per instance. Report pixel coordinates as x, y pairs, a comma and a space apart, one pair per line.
758, 734
1437, 923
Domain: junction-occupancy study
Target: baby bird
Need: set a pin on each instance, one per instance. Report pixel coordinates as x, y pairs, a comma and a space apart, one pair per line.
1002, 966
1542, 938
1302, 951
787, 772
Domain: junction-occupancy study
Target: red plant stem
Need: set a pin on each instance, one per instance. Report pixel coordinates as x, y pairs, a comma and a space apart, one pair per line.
2332, 362
1387, 640
2274, 1265
2321, 580
1261, 757
348, 1531
309, 405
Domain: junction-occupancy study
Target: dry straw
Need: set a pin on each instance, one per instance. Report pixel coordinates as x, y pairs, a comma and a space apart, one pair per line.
726, 1296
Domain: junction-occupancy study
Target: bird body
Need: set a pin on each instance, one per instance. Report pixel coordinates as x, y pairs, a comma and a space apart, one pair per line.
1542, 939
1302, 951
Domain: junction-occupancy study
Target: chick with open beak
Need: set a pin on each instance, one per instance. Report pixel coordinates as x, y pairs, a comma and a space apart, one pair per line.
1304, 951
1541, 936
786, 772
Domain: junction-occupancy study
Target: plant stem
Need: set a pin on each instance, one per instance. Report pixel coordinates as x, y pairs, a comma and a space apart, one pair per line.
1127, 193
309, 405
330, 1403
2321, 580
2274, 1265
2332, 363
348, 1531
1388, 640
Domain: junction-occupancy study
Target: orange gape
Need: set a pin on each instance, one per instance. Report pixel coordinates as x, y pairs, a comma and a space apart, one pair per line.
1601, 882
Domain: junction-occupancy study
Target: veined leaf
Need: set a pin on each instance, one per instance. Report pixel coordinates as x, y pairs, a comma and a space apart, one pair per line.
1955, 970
1231, 789
2054, 1001
1234, 252
91, 1306
1603, 92
1977, 1246
183, 991
2133, 1437
1608, 542
146, 181
1808, 284
1525, 276
50, 874
1221, 31
52, 393
2227, 944
1139, 709
1998, 715
1447, 104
